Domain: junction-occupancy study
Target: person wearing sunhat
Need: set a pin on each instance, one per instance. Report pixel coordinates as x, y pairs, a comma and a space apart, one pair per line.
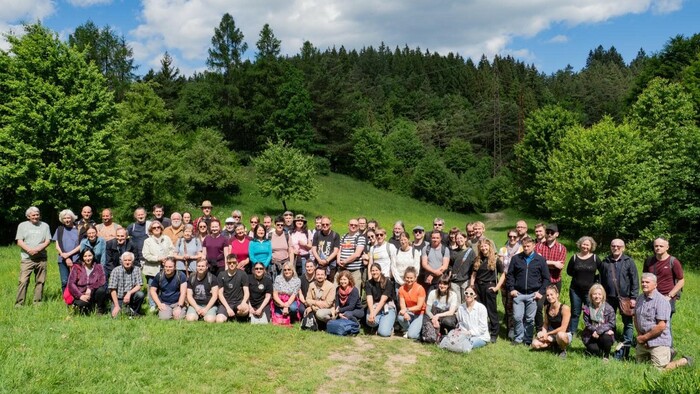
300, 240
207, 217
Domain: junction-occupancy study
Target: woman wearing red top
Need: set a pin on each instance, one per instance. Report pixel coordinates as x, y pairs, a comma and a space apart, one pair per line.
240, 246
412, 302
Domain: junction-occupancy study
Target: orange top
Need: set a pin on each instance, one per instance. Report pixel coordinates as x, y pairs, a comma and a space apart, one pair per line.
411, 296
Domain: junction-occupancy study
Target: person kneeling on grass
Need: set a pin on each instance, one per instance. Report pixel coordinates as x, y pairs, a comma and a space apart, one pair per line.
202, 293
442, 306
233, 292
598, 323
260, 291
472, 326
412, 302
651, 316
125, 284
555, 331
320, 298
347, 298
86, 283
169, 291
381, 309
284, 292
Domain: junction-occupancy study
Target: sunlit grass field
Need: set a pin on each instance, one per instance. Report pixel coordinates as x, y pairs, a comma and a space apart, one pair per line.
46, 349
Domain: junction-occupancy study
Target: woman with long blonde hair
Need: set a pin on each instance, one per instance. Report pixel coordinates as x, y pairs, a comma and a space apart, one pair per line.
488, 278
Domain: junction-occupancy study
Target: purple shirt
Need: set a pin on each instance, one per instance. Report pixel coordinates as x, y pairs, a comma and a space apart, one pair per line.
215, 249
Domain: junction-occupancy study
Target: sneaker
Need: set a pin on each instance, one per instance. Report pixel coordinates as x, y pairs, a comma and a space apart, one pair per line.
515, 343
152, 309
562, 354
605, 359
511, 334
405, 335
673, 353
493, 338
690, 360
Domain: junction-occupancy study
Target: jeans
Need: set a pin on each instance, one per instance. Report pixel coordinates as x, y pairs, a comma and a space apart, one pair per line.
576, 307
412, 326
524, 309
64, 272
150, 280
385, 322
477, 343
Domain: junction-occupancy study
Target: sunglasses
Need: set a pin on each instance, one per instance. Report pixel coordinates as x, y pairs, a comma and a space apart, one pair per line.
259, 268
156, 228
381, 235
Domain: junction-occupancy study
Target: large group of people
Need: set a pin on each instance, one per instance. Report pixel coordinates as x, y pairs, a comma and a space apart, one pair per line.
440, 284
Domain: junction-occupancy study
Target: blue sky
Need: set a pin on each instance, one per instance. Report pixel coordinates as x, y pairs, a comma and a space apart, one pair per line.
547, 33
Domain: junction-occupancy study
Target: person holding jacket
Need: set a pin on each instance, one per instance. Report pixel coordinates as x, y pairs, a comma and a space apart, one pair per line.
620, 279
526, 282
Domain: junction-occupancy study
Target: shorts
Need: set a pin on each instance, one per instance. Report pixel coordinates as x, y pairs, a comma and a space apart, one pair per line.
211, 312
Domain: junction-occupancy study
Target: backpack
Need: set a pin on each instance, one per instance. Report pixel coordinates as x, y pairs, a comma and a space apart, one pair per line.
162, 277
343, 327
428, 333
651, 261
309, 322
193, 278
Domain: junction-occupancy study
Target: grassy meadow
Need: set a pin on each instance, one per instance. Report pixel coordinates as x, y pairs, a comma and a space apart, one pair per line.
46, 349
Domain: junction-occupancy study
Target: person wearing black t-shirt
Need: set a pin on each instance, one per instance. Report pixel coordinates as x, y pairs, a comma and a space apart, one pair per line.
202, 293
233, 292
260, 289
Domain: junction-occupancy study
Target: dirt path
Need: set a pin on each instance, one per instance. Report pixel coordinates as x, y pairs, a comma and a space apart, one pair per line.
367, 359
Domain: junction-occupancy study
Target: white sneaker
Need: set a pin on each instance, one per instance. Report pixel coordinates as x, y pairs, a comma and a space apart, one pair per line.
405, 335
153, 309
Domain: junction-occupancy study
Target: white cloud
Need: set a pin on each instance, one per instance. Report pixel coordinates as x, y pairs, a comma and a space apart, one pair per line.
88, 3
666, 6
13, 13
558, 39
468, 27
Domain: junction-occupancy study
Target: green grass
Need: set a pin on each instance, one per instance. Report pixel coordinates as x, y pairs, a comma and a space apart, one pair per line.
45, 349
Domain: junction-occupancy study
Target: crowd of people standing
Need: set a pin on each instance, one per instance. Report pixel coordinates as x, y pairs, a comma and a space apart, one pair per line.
427, 284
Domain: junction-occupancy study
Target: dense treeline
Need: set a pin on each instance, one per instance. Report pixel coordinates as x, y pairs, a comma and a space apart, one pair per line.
465, 135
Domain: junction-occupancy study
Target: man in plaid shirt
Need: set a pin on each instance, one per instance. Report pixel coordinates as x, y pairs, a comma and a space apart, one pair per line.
125, 284
555, 254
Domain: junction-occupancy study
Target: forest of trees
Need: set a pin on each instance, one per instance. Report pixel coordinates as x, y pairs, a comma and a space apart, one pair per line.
607, 150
